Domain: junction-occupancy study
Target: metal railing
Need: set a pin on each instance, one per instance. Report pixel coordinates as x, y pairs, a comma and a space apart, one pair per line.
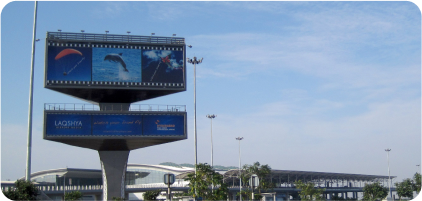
97, 187
113, 107
115, 38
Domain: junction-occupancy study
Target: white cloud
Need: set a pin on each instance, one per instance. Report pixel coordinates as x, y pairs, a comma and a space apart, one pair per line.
110, 9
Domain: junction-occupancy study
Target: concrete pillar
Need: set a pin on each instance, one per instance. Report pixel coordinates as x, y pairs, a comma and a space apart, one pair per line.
113, 168
97, 197
114, 106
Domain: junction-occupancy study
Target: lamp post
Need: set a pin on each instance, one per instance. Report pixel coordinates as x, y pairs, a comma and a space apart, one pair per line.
240, 185
31, 98
417, 168
212, 158
194, 62
389, 179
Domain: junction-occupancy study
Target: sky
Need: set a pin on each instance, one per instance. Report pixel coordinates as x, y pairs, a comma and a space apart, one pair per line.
311, 86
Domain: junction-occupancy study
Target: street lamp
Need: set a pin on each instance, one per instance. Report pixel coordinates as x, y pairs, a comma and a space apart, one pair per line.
240, 189
389, 179
417, 168
194, 62
212, 158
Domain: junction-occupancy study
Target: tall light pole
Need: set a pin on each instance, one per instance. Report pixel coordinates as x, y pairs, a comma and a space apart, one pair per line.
240, 189
389, 179
31, 98
417, 168
212, 158
194, 62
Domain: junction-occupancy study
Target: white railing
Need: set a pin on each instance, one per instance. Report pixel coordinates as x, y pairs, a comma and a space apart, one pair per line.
52, 36
114, 107
98, 187
157, 185
69, 188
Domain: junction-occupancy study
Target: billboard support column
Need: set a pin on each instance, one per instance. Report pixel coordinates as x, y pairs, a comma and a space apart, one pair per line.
113, 168
114, 106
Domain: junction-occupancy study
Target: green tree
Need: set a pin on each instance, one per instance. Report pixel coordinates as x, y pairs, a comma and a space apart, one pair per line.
417, 182
202, 182
151, 195
262, 171
308, 191
74, 195
405, 188
246, 194
24, 190
374, 191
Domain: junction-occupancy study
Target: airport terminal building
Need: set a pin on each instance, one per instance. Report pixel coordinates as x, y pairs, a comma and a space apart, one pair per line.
140, 178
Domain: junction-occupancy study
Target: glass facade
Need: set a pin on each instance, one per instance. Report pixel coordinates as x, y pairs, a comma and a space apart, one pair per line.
144, 176
56, 180
79, 177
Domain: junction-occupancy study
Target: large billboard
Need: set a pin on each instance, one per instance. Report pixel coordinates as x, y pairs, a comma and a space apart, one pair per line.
129, 124
104, 66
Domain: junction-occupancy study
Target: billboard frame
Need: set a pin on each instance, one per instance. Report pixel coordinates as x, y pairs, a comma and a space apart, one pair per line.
114, 112
88, 40
129, 91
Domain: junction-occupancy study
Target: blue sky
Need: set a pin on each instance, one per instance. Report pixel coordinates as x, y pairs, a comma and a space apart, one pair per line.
314, 86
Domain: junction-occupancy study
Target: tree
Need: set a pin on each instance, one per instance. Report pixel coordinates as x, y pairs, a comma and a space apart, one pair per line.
374, 191
206, 177
74, 195
335, 196
117, 199
405, 188
151, 195
262, 171
246, 194
24, 190
417, 182
308, 191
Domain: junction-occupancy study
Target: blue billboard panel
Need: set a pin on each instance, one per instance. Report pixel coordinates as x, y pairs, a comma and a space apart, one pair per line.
117, 124
114, 124
116, 65
68, 124
164, 125
69, 63
162, 66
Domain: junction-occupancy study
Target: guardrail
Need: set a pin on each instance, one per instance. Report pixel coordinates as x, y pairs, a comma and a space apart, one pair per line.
113, 107
96, 187
115, 38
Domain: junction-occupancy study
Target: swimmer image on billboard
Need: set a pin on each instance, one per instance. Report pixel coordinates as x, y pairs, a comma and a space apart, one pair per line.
116, 65
69, 63
162, 66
